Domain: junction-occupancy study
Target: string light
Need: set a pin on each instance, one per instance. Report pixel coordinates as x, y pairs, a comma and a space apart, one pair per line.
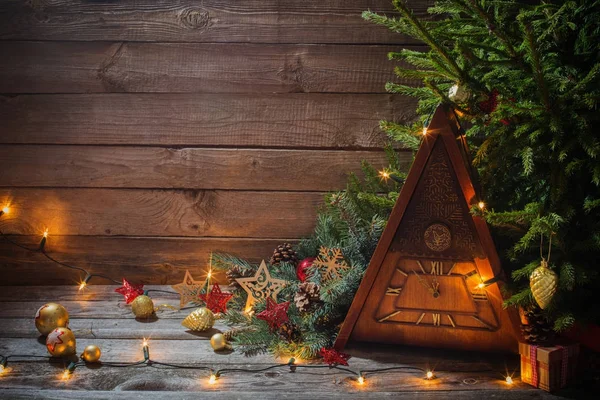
4, 210
146, 349
3, 362
69, 371
481, 205
44, 238
509, 380
360, 380
384, 174
213, 377
83, 283
481, 285
424, 131
430, 375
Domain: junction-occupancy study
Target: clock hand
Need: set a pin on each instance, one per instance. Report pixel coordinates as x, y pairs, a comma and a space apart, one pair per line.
424, 283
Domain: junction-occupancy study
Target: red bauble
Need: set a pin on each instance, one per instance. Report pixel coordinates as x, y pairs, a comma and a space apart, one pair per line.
303, 266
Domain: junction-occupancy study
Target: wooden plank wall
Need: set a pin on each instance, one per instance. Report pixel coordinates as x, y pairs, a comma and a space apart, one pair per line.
146, 134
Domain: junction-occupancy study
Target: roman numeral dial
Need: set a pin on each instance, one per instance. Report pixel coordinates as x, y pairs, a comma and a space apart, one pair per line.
440, 294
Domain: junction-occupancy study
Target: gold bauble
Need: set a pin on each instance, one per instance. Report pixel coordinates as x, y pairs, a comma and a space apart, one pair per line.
142, 306
91, 353
543, 283
199, 320
218, 342
61, 342
51, 316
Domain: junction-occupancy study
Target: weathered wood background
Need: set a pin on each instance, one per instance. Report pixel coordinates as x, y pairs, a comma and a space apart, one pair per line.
146, 134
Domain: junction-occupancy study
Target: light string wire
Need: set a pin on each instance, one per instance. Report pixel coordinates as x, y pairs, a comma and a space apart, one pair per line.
216, 373
41, 249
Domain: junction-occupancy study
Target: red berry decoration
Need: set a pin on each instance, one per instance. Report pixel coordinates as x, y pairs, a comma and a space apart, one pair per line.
489, 106
303, 266
130, 291
333, 357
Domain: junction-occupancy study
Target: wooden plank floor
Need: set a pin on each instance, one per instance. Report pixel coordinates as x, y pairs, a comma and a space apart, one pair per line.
99, 316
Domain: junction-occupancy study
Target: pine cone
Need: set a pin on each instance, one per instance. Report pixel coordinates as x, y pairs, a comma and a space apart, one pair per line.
236, 272
289, 332
537, 329
307, 295
284, 253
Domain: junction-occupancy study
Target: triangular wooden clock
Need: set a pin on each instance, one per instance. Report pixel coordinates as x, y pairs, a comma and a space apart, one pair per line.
422, 286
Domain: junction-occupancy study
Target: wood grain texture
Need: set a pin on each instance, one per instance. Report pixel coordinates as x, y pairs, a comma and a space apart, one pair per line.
234, 120
80, 67
469, 375
187, 168
64, 394
148, 260
266, 21
139, 212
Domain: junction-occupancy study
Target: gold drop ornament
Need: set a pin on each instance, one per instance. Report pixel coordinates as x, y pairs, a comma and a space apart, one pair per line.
91, 354
199, 320
219, 343
543, 282
142, 306
61, 343
51, 316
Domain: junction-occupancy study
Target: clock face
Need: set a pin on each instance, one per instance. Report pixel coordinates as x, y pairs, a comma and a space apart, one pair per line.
435, 293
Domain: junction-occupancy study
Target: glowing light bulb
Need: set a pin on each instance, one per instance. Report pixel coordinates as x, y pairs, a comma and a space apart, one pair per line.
361, 380
481, 285
481, 205
509, 380
6, 210
424, 130
209, 274
2, 369
46, 233
145, 342
429, 374
66, 375
385, 175
82, 286
248, 310
213, 379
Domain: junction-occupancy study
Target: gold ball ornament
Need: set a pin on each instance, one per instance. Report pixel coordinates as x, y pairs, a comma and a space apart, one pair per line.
142, 306
61, 342
459, 94
51, 316
91, 353
219, 343
543, 282
199, 320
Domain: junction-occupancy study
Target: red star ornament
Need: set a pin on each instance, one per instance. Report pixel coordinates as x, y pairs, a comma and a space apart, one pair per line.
334, 357
130, 291
216, 301
275, 314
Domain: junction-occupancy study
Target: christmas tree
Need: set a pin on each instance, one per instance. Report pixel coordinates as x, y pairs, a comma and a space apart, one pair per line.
524, 78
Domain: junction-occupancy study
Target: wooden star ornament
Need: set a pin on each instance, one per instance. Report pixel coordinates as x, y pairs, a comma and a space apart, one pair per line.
331, 263
261, 286
130, 291
189, 289
216, 301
